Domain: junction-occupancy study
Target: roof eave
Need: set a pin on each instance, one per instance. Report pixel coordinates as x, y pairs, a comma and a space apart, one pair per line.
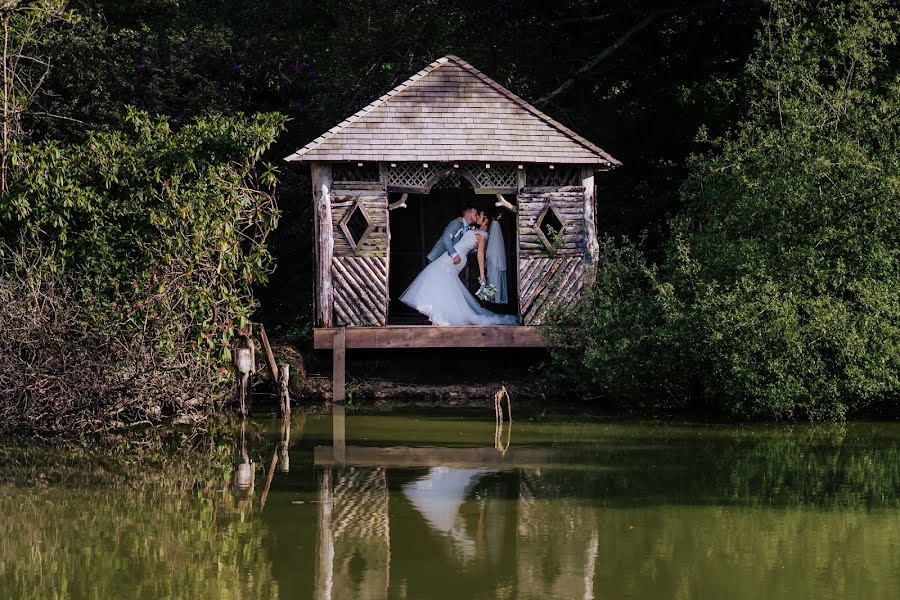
309, 158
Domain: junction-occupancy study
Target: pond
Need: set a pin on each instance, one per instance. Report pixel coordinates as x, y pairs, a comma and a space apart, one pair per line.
448, 505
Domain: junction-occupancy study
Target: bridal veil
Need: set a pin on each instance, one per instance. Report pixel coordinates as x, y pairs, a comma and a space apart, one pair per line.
495, 262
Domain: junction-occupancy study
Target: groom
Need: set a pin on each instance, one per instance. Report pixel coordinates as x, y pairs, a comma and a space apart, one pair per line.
452, 234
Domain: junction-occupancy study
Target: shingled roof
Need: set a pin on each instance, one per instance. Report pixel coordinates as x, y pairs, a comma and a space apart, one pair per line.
451, 111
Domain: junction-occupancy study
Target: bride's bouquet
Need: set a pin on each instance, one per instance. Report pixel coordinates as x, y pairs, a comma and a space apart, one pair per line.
486, 292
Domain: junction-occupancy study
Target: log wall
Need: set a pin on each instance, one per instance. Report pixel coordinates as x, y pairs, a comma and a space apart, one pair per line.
568, 202
549, 280
359, 272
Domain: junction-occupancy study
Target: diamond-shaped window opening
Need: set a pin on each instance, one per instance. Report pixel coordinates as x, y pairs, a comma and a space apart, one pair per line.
549, 227
356, 225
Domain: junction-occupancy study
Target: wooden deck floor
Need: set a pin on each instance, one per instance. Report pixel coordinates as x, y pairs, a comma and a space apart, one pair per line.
429, 336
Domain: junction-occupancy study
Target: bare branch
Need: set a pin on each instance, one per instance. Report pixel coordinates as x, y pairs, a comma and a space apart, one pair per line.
41, 113
590, 19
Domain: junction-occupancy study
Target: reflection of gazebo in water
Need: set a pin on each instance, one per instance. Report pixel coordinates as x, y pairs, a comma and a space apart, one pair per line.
557, 549
354, 535
555, 543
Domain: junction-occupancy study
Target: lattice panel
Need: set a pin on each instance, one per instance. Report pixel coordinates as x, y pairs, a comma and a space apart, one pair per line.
560, 175
451, 181
407, 174
502, 175
546, 284
360, 290
410, 174
355, 172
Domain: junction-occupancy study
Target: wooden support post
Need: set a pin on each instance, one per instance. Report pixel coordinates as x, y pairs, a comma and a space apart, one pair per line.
324, 246
284, 373
338, 371
591, 244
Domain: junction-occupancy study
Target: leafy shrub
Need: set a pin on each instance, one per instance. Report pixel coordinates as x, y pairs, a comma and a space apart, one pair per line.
135, 212
69, 367
129, 265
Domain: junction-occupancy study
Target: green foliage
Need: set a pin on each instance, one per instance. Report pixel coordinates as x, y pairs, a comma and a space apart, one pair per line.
173, 58
156, 217
630, 339
780, 281
26, 31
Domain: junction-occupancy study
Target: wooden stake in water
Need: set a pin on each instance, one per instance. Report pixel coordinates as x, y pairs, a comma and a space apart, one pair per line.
243, 362
284, 373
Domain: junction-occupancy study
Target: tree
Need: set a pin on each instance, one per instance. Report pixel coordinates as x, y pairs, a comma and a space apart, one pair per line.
780, 280
23, 69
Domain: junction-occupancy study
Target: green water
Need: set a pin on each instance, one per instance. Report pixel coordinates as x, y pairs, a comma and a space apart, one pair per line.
390, 506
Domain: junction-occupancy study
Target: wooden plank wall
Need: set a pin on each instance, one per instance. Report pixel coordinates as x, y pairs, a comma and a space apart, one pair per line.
547, 281
568, 201
360, 275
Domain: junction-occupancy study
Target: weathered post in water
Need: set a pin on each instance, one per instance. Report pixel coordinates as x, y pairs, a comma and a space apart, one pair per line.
244, 478
243, 360
284, 373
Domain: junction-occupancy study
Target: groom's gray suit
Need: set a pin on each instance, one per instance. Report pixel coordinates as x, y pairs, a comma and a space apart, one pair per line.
452, 234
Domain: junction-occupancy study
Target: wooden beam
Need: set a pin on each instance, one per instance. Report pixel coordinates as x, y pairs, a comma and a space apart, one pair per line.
426, 336
338, 365
504, 203
488, 191
461, 458
591, 244
324, 243
270, 356
401, 203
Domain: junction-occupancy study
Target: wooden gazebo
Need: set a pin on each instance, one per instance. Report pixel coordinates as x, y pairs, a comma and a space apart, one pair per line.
447, 133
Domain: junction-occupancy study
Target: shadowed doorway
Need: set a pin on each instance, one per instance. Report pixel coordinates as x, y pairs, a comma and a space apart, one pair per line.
416, 228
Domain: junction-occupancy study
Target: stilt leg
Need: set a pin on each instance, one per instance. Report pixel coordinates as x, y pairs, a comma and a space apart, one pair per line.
338, 371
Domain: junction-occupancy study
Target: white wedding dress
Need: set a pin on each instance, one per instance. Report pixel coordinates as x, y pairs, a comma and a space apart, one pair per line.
439, 294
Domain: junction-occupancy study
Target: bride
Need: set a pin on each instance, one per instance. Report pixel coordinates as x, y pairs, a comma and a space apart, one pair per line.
439, 294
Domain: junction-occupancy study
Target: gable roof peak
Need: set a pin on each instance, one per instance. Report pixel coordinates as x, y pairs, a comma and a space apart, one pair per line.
440, 117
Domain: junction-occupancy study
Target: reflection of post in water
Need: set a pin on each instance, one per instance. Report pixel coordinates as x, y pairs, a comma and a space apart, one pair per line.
325, 549
498, 430
354, 534
338, 433
557, 541
285, 460
353, 559
245, 471
280, 456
